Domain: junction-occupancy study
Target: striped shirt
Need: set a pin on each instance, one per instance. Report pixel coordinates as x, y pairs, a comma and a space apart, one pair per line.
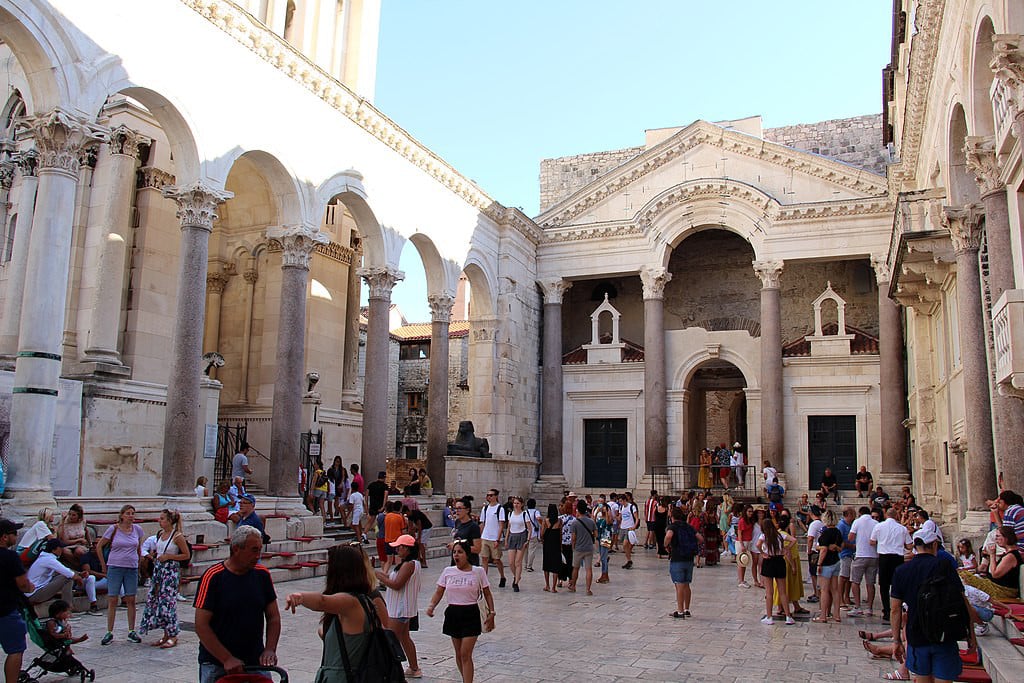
1014, 516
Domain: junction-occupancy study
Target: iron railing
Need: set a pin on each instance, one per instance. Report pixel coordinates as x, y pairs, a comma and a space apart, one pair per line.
671, 479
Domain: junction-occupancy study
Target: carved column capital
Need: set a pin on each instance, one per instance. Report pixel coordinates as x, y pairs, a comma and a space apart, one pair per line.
197, 204
125, 142
297, 244
251, 276
554, 289
441, 307
61, 138
883, 273
654, 279
7, 168
982, 162
216, 282
381, 280
27, 161
964, 225
770, 273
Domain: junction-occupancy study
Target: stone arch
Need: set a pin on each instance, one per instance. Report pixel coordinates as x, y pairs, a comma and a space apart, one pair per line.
716, 405
981, 78
685, 370
482, 286
442, 276
962, 187
13, 108
31, 41
291, 205
348, 187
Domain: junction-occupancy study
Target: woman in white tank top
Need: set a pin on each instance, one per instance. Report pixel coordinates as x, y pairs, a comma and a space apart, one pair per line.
402, 597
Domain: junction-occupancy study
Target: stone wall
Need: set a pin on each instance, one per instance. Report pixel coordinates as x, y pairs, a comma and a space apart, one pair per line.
856, 141
560, 177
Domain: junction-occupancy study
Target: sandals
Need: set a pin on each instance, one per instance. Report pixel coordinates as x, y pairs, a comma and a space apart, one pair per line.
414, 673
169, 643
819, 620
866, 636
895, 676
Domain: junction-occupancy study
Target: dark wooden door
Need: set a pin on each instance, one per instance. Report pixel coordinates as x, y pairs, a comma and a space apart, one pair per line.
604, 453
832, 442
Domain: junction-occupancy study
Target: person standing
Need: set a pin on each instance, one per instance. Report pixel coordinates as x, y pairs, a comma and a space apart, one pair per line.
357, 478
846, 555
533, 542
891, 539
630, 519
865, 563
495, 521
234, 601
419, 526
604, 535
122, 568
768, 473
516, 539
466, 529
744, 538
240, 467
551, 543
584, 533
661, 524
830, 541
814, 529
775, 545
739, 465
649, 508
161, 610
14, 584
376, 496
402, 596
682, 543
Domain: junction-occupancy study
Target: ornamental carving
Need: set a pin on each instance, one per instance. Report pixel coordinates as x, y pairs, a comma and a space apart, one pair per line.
441, 307
1008, 68
61, 138
251, 276
770, 273
883, 273
654, 279
153, 178
197, 204
554, 289
125, 142
381, 281
297, 244
7, 174
27, 161
216, 282
982, 162
964, 225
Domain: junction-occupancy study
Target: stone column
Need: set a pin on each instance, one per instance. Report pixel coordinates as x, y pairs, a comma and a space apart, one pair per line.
8, 166
60, 138
1007, 411
772, 442
286, 426
197, 206
10, 323
250, 275
113, 228
891, 390
216, 281
551, 394
350, 373
965, 230
654, 280
437, 396
376, 382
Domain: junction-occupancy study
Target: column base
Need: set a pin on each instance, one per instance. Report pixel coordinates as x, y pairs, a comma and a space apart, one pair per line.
8, 363
975, 521
24, 505
94, 368
893, 481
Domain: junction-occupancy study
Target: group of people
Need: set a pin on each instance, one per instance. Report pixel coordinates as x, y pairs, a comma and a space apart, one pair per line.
722, 467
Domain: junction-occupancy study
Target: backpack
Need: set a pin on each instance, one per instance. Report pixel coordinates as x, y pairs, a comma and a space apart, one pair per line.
685, 541
941, 613
775, 493
31, 553
382, 661
321, 479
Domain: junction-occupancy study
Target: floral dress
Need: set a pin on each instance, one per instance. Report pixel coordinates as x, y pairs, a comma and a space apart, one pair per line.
162, 603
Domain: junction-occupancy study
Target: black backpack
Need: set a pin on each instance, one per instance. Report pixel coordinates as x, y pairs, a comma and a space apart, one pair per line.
941, 613
685, 540
382, 662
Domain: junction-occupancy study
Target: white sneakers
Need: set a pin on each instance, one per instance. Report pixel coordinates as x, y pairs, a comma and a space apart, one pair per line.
767, 621
743, 584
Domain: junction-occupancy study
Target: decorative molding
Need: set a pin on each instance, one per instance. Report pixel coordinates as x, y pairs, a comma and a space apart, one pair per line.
126, 142
770, 273
849, 207
593, 231
297, 244
251, 276
983, 163
717, 189
1008, 69
654, 279
554, 289
381, 281
7, 167
440, 307
883, 273
151, 177
216, 282
60, 138
336, 252
27, 161
197, 204
964, 225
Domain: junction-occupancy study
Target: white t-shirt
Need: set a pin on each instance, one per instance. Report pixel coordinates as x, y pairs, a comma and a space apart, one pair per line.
534, 528
862, 527
356, 499
757, 535
492, 516
769, 474
149, 545
815, 528
43, 569
518, 522
628, 520
462, 588
736, 459
616, 510
238, 465
892, 538
36, 532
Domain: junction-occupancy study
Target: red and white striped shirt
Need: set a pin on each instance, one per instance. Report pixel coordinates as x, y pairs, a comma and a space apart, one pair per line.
649, 509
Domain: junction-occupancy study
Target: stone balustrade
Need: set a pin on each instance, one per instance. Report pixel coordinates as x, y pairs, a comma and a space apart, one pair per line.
1008, 330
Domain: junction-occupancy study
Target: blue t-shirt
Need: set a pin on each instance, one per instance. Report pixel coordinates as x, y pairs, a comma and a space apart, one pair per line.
844, 529
906, 584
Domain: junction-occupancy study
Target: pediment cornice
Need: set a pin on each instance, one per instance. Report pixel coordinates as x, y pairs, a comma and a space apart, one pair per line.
704, 133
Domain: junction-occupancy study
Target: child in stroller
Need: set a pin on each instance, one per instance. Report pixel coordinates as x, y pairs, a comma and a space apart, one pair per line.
55, 638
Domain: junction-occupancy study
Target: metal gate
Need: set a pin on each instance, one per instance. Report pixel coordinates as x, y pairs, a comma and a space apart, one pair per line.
229, 440
310, 449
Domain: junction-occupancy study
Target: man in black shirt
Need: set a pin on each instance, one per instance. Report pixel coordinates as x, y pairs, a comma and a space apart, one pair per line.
865, 482
377, 494
467, 530
234, 599
829, 484
14, 584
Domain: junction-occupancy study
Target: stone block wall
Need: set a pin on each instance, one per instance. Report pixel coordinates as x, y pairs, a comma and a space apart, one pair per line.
856, 141
560, 177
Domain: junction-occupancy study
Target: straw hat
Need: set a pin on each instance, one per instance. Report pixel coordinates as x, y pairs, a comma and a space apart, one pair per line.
743, 559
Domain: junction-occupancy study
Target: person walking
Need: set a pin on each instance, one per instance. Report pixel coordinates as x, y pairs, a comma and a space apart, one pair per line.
649, 518
122, 568
892, 540
682, 542
402, 596
466, 529
775, 546
744, 539
14, 584
516, 539
661, 524
584, 533
551, 535
494, 520
533, 541
463, 583
629, 515
161, 610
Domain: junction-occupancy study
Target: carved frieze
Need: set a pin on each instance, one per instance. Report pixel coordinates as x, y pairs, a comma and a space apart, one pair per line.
60, 139
1008, 70
654, 279
27, 161
883, 273
381, 281
197, 204
983, 163
770, 273
154, 178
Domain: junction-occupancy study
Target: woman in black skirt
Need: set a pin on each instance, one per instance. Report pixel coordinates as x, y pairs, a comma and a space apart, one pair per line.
463, 583
774, 546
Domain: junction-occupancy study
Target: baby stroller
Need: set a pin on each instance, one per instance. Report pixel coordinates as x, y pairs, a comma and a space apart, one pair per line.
55, 658
712, 543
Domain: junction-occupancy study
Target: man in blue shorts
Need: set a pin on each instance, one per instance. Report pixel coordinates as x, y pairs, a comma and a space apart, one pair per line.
14, 584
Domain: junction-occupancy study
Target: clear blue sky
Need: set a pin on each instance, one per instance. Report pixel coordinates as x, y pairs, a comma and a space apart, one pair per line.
494, 87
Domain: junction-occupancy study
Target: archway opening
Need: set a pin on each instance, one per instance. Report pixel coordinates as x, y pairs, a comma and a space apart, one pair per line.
716, 417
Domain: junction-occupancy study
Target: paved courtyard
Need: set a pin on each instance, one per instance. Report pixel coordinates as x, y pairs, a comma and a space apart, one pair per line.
624, 632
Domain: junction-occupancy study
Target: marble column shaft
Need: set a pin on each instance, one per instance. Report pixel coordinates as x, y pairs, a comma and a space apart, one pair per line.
197, 205
655, 427
437, 394
286, 421
551, 394
60, 138
10, 324
892, 392
772, 423
375, 447
113, 228
965, 229
250, 276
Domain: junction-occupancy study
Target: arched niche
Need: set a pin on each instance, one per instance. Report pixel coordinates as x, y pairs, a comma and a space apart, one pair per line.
981, 79
962, 187
482, 286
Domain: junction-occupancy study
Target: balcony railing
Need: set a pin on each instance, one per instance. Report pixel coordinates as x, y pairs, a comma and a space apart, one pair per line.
1000, 110
1008, 334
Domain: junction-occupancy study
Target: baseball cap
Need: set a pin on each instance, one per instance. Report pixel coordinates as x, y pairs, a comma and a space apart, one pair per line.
737, 445
925, 537
9, 527
248, 497
404, 539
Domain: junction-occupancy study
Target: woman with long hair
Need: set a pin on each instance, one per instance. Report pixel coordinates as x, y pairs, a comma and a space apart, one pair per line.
122, 568
551, 543
774, 546
516, 538
402, 596
347, 578
794, 571
463, 583
704, 480
744, 539
830, 542
161, 609
73, 534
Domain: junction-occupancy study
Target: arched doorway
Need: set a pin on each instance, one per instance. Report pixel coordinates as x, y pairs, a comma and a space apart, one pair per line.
716, 408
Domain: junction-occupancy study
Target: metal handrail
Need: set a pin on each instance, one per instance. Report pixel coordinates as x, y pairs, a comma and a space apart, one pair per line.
667, 479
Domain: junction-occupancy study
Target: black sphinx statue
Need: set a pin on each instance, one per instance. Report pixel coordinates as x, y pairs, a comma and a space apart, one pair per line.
468, 443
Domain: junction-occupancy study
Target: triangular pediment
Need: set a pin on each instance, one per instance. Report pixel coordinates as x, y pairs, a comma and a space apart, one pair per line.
705, 151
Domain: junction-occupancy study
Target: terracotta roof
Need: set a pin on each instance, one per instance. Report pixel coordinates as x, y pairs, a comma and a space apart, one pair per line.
421, 331
862, 343
631, 354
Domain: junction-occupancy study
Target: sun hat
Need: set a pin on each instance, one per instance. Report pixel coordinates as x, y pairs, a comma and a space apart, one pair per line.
743, 559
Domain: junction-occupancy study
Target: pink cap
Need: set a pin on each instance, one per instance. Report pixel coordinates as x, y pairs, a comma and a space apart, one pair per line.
404, 539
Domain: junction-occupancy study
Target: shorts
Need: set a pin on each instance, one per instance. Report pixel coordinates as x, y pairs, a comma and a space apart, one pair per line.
319, 493
490, 550
425, 536
119, 578
845, 564
681, 571
582, 560
12, 632
774, 567
650, 526
864, 568
390, 550
829, 571
517, 541
938, 661
462, 621
357, 516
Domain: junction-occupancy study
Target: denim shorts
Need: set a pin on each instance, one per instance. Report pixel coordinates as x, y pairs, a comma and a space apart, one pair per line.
938, 661
829, 570
126, 578
681, 572
12, 632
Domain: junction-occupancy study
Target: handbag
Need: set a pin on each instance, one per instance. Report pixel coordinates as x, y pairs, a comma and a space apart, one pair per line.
382, 661
481, 603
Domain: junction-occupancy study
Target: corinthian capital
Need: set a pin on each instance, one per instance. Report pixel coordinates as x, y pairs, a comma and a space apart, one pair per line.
381, 280
297, 244
28, 162
554, 289
125, 142
441, 307
883, 273
654, 279
770, 273
964, 225
982, 161
216, 282
61, 138
197, 204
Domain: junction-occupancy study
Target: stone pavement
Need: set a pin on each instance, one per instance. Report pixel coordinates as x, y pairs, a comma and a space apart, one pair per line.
623, 633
